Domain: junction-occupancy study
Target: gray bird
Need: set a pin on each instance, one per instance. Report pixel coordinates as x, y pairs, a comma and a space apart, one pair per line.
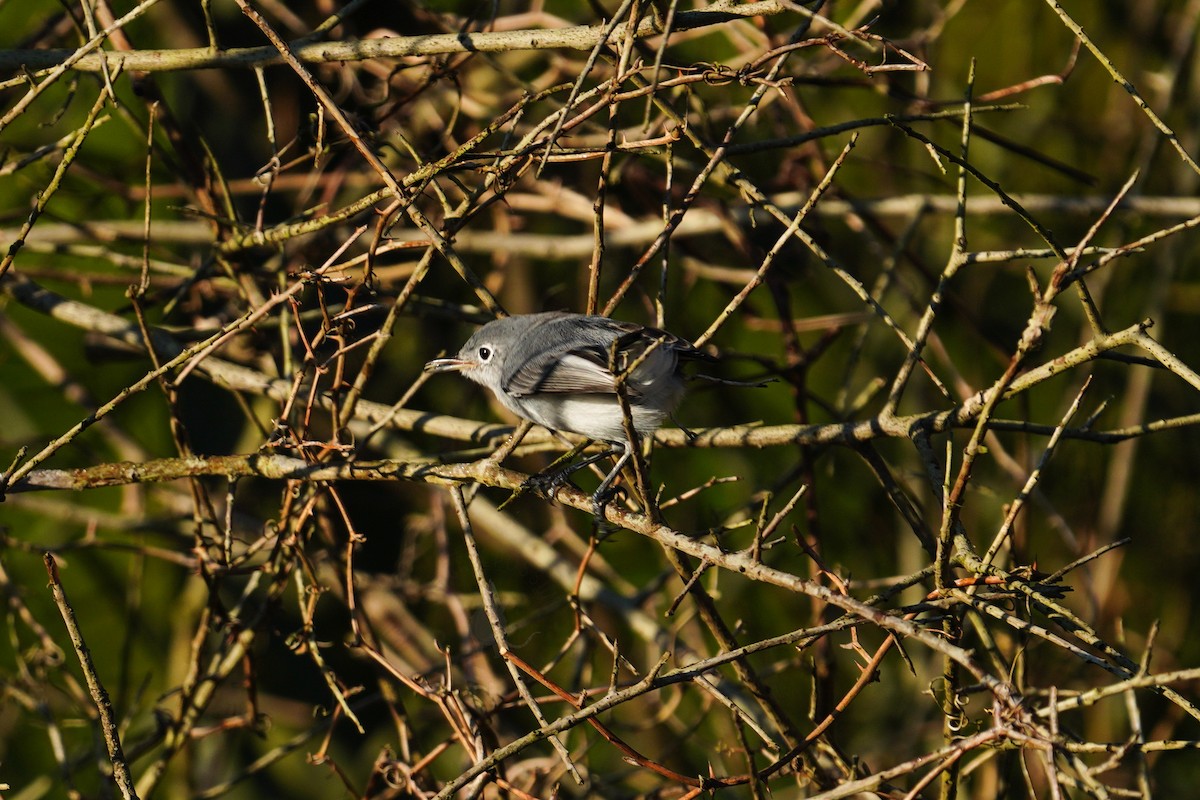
554, 369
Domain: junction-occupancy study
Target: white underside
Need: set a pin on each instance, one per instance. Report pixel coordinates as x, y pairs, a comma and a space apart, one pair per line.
592, 415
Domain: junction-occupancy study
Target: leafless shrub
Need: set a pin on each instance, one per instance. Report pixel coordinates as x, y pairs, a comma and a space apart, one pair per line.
901, 567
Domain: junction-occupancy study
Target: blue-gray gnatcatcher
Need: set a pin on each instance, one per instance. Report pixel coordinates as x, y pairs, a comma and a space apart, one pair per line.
554, 369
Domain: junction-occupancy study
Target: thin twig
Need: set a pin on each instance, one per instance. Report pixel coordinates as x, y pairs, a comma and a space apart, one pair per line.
108, 721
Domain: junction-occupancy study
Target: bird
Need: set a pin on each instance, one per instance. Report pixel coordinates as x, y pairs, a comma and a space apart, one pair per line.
561, 370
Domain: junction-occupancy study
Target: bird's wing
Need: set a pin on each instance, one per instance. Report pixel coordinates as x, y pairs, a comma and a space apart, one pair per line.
582, 369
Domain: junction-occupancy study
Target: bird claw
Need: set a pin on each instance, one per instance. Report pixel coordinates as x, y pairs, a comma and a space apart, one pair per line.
600, 500
546, 484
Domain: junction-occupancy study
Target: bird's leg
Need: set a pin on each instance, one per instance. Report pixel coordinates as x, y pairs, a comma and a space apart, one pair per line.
604, 491
547, 481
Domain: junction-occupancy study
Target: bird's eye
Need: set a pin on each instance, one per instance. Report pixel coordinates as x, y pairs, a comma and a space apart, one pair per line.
485, 354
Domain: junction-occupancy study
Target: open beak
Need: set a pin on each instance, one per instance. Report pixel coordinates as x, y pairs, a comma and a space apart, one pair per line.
447, 365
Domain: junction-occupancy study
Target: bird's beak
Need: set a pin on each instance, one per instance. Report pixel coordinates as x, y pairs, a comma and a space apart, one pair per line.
447, 365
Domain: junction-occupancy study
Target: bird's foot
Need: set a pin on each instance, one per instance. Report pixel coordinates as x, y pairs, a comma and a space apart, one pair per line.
547, 483
600, 499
